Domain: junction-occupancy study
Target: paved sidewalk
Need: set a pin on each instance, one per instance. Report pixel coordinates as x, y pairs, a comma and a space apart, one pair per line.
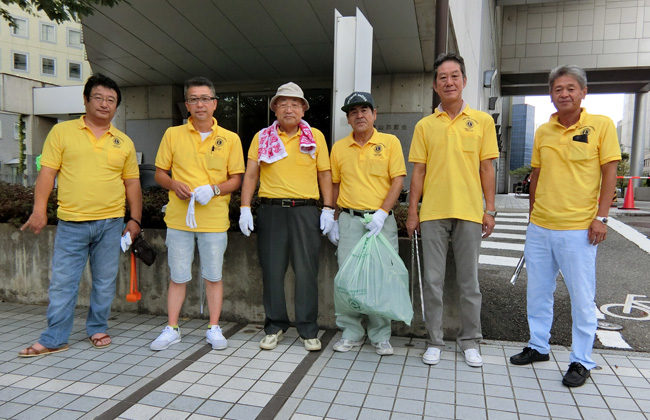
192, 381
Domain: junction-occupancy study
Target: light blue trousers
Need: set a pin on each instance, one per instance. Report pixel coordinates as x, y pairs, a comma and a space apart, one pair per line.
351, 231
547, 252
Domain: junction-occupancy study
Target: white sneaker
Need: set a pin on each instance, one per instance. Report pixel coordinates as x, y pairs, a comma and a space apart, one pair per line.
311, 344
216, 338
344, 345
384, 348
271, 341
473, 358
168, 337
431, 356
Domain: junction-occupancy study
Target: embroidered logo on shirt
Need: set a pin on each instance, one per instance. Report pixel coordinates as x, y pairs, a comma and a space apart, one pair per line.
470, 124
378, 149
219, 143
586, 130
117, 142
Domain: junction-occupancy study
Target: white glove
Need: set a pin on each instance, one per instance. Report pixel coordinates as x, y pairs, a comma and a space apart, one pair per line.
333, 234
190, 219
204, 194
125, 241
326, 220
245, 220
377, 222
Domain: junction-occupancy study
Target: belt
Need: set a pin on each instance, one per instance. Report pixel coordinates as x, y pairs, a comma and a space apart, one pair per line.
360, 213
289, 202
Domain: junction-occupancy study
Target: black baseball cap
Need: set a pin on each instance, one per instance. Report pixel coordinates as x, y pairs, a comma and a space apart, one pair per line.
358, 98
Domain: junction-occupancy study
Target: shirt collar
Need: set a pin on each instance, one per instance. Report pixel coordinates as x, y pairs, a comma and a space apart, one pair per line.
81, 125
463, 109
190, 126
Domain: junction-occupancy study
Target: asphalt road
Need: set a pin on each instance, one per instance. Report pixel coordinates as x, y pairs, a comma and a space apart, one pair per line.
622, 269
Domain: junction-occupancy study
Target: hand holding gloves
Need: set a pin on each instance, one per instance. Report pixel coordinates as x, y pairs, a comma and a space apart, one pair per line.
204, 194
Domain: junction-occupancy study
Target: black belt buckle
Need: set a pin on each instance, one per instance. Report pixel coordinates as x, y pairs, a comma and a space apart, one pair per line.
288, 203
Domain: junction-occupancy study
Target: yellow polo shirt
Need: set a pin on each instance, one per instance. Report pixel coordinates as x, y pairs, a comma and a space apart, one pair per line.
295, 176
366, 173
567, 191
197, 162
91, 171
453, 151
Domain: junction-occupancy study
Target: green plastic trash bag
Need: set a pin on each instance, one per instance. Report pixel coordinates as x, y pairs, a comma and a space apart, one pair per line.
373, 280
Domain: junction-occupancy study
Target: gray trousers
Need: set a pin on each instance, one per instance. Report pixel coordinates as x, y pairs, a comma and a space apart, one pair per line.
289, 234
466, 242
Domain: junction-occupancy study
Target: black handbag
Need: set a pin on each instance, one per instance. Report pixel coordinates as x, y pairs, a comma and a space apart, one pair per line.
142, 250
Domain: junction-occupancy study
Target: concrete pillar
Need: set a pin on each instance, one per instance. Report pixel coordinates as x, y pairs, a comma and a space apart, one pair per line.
638, 136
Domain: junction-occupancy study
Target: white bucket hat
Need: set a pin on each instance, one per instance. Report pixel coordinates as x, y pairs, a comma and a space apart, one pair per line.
289, 90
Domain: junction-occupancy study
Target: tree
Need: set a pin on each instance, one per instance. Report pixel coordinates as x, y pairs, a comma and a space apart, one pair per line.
57, 10
521, 172
622, 169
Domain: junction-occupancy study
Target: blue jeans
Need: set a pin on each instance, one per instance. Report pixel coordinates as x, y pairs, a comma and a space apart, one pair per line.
547, 252
75, 242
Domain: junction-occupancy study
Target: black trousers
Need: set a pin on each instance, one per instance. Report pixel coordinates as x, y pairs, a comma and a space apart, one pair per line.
289, 234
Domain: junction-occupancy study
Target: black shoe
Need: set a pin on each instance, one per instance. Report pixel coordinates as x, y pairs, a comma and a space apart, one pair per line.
528, 356
576, 375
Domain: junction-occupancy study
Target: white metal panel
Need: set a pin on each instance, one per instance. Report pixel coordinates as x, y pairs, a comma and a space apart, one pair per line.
352, 65
59, 100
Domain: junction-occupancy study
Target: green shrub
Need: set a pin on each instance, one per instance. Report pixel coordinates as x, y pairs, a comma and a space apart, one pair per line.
17, 202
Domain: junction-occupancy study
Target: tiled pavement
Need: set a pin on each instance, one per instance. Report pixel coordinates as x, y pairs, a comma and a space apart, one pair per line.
192, 381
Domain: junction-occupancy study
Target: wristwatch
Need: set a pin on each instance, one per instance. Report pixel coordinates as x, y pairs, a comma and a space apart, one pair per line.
216, 189
601, 219
492, 213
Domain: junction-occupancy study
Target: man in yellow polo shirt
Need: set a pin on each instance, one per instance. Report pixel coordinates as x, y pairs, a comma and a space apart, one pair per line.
291, 161
575, 156
452, 152
206, 162
368, 174
96, 168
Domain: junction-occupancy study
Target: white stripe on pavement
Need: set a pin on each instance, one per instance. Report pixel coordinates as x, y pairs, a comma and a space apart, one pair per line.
612, 339
631, 234
510, 227
523, 215
512, 220
502, 245
497, 260
517, 236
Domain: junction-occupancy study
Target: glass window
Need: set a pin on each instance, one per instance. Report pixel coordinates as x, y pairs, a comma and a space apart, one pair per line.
17, 130
74, 70
21, 28
20, 61
74, 38
48, 66
48, 32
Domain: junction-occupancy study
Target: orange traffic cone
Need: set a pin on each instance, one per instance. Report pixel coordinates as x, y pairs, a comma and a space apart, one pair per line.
628, 204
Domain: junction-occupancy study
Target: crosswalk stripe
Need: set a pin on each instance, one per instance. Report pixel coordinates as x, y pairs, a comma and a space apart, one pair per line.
516, 236
497, 260
511, 220
511, 227
502, 245
518, 215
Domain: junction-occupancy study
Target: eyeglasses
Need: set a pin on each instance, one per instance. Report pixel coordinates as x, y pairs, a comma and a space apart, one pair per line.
293, 107
203, 99
99, 99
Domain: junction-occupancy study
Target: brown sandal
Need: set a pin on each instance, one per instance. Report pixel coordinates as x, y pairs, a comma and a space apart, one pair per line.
32, 352
99, 339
